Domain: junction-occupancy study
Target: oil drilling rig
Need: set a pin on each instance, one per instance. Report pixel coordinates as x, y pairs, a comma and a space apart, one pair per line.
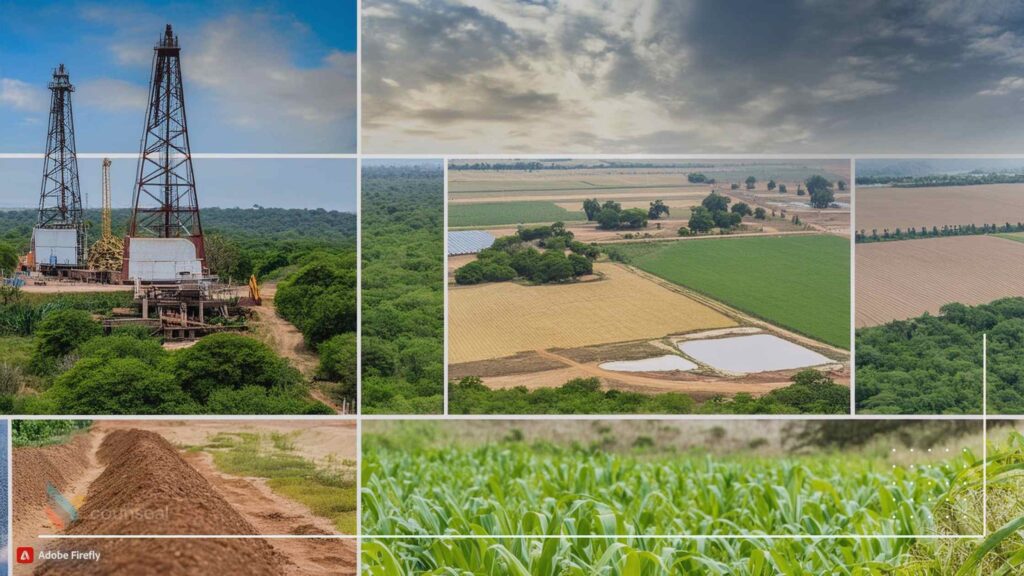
164, 253
59, 239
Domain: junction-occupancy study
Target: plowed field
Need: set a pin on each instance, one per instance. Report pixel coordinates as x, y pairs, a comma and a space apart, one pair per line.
899, 280
885, 207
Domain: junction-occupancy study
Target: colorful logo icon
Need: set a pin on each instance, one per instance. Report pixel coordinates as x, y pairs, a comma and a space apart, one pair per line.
25, 555
61, 511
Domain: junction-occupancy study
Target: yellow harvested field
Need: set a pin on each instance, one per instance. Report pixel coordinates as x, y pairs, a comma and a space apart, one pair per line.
887, 207
501, 319
904, 279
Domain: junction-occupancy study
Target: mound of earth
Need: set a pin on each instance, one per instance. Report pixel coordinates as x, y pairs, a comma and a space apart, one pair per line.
147, 488
60, 465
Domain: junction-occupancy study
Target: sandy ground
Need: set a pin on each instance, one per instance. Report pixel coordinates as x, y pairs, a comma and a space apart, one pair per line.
906, 278
55, 287
250, 497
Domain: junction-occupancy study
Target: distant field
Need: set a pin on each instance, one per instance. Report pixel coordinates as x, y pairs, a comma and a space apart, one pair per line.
798, 282
887, 207
501, 319
900, 280
504, 213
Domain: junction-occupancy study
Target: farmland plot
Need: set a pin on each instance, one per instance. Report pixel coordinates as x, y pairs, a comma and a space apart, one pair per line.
502, 213
502, 319
900, 280
798, 282
887, 207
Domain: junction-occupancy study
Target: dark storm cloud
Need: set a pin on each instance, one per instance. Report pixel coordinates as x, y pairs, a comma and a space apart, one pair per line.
652, 76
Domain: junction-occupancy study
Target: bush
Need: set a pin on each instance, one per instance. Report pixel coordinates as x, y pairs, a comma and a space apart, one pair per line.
119, 386
338, 362
12, 379
58, 334
380, 357
250, 400
608, 219
230, 361
113, 347
554, 267
580, 265
683, 231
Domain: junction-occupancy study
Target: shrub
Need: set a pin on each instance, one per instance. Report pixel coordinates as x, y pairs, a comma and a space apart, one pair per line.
338, 362
230, 361
250, 400
580, 265
59, 333
119, 386
380, 357
112, 347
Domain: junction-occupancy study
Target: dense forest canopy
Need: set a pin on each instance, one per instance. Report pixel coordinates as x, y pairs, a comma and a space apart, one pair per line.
932, 364
403, 289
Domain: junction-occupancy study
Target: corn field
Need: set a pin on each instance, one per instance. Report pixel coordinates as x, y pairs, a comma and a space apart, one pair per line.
589, 512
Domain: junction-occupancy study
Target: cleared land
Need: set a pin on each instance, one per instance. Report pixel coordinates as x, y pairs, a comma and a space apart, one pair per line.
502, 319
798, 282
502, 213
887, 207
900, 280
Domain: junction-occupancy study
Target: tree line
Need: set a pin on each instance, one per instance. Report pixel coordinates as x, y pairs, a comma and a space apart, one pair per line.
913, 233
968, 179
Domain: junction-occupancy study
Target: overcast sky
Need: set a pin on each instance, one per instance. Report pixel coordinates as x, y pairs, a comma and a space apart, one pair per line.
260, 76
272, 183
810, 76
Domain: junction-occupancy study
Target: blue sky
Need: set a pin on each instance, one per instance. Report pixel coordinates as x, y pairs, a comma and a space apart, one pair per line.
260, 76
273, 183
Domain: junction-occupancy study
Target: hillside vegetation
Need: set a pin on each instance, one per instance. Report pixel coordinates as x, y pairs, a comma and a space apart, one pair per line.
403, 290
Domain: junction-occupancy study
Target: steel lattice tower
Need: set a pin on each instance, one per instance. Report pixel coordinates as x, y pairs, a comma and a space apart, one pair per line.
164, 203
60, 200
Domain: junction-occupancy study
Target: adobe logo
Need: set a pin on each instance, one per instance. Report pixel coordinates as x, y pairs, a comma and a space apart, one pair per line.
25, 555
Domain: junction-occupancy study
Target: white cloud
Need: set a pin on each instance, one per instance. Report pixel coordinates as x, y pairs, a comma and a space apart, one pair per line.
22, 95
246, 63
112, 95
1005, 86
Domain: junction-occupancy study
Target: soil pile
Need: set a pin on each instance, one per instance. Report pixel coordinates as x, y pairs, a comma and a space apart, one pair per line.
59, 465
147, 488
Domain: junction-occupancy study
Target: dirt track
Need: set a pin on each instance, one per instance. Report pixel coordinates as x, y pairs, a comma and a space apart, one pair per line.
282, 335
137, 482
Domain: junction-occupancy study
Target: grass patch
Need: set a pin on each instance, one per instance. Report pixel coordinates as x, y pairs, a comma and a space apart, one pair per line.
505, 213
16, 350
799, 282
326, 490
1015, 236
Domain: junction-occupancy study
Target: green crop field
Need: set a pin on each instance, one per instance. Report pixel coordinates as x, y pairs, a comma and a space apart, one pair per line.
581, 511
798, 282
505, 213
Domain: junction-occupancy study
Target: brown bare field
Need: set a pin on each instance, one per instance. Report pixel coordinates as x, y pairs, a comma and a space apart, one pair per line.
903, 279
886, 207
502, 319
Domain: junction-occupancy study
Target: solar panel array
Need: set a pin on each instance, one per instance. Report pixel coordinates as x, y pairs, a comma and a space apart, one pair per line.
468, 242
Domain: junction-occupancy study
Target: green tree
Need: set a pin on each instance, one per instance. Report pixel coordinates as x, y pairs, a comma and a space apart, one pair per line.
591, 207
771, 185
726, 220
750, 182
608, 219
8, 259
841, 185
742, 208
611, 205
696, 178
657, 209
715, 202
782, 188
759, 213
581, 265
701, 220
633, 218
820, 191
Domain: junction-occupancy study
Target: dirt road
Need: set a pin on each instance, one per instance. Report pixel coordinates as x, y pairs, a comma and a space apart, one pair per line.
282, 335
